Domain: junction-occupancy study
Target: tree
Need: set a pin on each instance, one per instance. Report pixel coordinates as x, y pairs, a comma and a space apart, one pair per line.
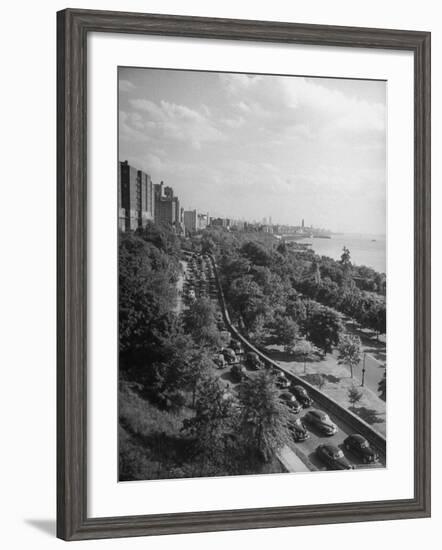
146, 278
305, 349
382, 387
346, 263
210, 425
198, 367
282, 248
200, 322
286, 333
257, 253
375, 317
318, 379
295, 307
247, 299
354, 395
263, 422
349, 351
345, 258
323, 327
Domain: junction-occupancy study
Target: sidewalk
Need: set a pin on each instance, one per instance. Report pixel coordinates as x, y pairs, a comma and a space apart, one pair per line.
291, 461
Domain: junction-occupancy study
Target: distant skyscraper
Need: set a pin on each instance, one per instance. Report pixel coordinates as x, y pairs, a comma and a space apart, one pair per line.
302, 223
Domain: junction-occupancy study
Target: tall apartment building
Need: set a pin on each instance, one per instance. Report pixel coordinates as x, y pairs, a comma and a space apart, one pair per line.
220, 222
135, 198
165, 205
190, 220
194, 220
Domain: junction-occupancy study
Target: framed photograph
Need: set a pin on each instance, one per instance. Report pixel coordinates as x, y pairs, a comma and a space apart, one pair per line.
243, 274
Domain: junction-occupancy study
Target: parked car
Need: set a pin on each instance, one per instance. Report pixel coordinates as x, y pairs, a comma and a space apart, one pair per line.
236, 346
219, 360
290, 400
359, 446
229, 355
298, 430
302, 396
237, 373
333, 457
321, 421
282, 381
253, 361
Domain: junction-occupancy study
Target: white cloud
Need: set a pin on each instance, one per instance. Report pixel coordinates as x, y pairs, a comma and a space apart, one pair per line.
177, 122
252, 146
125, 86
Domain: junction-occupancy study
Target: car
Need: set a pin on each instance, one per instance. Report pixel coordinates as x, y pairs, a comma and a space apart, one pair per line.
219, 360
236, 346
359, 446
290, 400
237, 373
282, 381
302, 396
298, 430
333, 457
229, 355
321, 421
253, 361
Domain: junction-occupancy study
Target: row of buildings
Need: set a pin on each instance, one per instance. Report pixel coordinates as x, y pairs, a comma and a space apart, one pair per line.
141, 201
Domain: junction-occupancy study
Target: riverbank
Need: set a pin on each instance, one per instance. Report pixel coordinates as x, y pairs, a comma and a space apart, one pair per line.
368, 250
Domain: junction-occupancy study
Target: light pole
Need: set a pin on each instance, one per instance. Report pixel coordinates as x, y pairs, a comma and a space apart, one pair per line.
363, 370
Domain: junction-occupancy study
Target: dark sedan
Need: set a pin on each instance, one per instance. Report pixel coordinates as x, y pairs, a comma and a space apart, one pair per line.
302, 396
290, 400
298, 430
229, 355
282, 380
360, 447
236, 346
253, 361
333, 457
321, 421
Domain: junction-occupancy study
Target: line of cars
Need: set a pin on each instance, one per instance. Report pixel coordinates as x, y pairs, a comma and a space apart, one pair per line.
297, 398
200, 279
358, 446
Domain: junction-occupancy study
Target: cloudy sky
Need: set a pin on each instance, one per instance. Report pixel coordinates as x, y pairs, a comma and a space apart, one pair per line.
254, 146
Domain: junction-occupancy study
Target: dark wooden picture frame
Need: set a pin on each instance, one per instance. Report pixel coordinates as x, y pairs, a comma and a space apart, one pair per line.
73, 27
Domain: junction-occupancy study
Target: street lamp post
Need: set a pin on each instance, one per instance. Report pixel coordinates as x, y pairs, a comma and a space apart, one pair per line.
363, 370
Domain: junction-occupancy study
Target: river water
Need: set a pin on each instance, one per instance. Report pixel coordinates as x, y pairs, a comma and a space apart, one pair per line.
364, 249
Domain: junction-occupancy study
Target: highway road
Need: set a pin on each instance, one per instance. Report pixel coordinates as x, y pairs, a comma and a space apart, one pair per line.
303, 450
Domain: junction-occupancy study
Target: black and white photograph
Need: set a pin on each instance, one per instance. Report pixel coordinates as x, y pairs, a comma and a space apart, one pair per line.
251, 274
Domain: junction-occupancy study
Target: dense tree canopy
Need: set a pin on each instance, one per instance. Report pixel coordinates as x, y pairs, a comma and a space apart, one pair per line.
323, 327
263, 423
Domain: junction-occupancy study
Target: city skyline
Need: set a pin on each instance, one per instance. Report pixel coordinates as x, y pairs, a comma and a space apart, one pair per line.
285, 148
